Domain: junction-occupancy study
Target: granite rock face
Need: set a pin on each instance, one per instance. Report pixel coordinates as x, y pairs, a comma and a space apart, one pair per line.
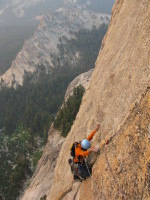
119, 99
42, 47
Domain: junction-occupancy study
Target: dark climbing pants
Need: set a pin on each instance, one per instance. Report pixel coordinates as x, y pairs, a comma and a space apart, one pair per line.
84, 171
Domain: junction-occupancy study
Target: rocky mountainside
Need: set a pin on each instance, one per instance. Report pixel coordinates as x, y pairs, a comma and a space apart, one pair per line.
119, 99
42, 48
43, 177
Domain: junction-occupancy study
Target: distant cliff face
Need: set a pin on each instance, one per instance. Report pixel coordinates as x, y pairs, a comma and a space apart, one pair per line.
42, 47
83, 79
119, 99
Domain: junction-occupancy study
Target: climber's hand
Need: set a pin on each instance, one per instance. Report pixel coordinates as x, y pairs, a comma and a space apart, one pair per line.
92, 149
97, 128
96, 149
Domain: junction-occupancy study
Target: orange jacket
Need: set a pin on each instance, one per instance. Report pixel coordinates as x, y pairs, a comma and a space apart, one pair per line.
81, 153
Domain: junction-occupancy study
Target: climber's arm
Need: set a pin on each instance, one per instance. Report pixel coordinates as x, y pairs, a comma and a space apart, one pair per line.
80, 152
93, 133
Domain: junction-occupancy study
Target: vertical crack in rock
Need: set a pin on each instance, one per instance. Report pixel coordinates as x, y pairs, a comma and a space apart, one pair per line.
68, 191
74, 198
65, 193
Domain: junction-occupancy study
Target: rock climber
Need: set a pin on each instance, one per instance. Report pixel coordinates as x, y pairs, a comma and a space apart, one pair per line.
81, 169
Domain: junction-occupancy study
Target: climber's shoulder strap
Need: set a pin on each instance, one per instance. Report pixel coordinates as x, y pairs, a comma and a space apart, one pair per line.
72, 149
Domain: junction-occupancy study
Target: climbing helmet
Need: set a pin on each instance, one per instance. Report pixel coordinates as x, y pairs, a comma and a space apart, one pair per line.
85, 144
